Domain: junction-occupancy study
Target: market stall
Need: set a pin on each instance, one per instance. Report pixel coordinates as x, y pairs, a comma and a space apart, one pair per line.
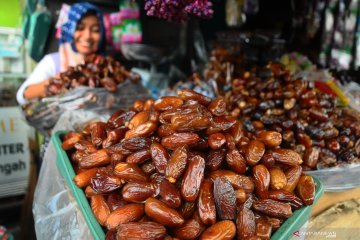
190, 119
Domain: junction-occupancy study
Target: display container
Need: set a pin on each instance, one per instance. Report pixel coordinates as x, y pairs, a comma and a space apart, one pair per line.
338, 179
291, 225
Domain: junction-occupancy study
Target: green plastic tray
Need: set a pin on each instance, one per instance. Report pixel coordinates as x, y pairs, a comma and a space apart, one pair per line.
67, 171
291, 225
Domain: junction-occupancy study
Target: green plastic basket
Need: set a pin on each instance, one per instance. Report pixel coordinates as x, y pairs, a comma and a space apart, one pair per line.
67, 171
291, 225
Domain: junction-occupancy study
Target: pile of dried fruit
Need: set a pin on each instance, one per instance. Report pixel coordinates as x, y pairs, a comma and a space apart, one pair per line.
182, 167
309, 120
97, 71
178, 10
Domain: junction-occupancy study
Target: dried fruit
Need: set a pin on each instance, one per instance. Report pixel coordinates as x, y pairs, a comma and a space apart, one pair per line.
141, 231
273, 208
225, 199
223, 230
127, 213
163, 214
306, 189
245, 223
100, 208
193, 177
206, 203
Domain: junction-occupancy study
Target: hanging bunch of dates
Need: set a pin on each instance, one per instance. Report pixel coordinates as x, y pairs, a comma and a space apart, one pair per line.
310, 122
96, 72
183, 167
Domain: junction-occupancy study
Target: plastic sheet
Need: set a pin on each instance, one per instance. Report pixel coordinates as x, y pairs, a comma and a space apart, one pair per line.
43, 114
56, 212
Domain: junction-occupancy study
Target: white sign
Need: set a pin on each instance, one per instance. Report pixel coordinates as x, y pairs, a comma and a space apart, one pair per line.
14, 152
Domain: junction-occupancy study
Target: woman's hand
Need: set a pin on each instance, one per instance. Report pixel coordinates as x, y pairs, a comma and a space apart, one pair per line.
37, 90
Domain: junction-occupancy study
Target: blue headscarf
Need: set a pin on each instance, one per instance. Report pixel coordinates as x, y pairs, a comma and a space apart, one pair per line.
76, 12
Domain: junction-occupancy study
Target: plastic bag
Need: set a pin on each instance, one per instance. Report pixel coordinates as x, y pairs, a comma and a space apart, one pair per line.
44, 114
56, 213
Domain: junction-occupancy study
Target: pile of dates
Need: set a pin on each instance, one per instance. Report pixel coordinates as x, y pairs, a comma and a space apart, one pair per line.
96, 72
309, 120
182, 167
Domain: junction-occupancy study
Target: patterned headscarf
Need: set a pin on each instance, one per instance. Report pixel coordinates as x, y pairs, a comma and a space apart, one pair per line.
76, 12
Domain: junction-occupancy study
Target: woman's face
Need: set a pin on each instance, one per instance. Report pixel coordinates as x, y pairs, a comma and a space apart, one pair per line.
87, 35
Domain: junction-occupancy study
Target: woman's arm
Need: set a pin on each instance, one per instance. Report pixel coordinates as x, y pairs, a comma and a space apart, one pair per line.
34, 85
36, 90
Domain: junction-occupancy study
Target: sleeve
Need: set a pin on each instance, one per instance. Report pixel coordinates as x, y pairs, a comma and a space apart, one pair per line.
43, 71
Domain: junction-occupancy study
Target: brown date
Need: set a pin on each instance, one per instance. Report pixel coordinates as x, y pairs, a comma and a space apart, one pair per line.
222, 230
138, 192
304, 139
104, 181
149, 103
178, 139
306, 189
277, 178
83, 179
218, 107
263, 228
216, 140
138, 105
115, 201
169, 194
114, 116
128, 146
245, 223
225, 199
191, 229
148, 168
177, 163
192, 179
114, 136
138, 119
236, 180
311, 156
187, 94
254, 152
285, 196
98, 133
141, 231
139, 156
100, 208
89, 192
262, 180
165, 130
236, 161
236, 132
167, 103
97, 159
187, 209
286, 156
85, 146
206, 203
130, 172
70, 142
124, 214
273, 208
159, 156
123, 118
240, 195
292, 176
270, 138
163, 214
215, 159
142, 130
189, 122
